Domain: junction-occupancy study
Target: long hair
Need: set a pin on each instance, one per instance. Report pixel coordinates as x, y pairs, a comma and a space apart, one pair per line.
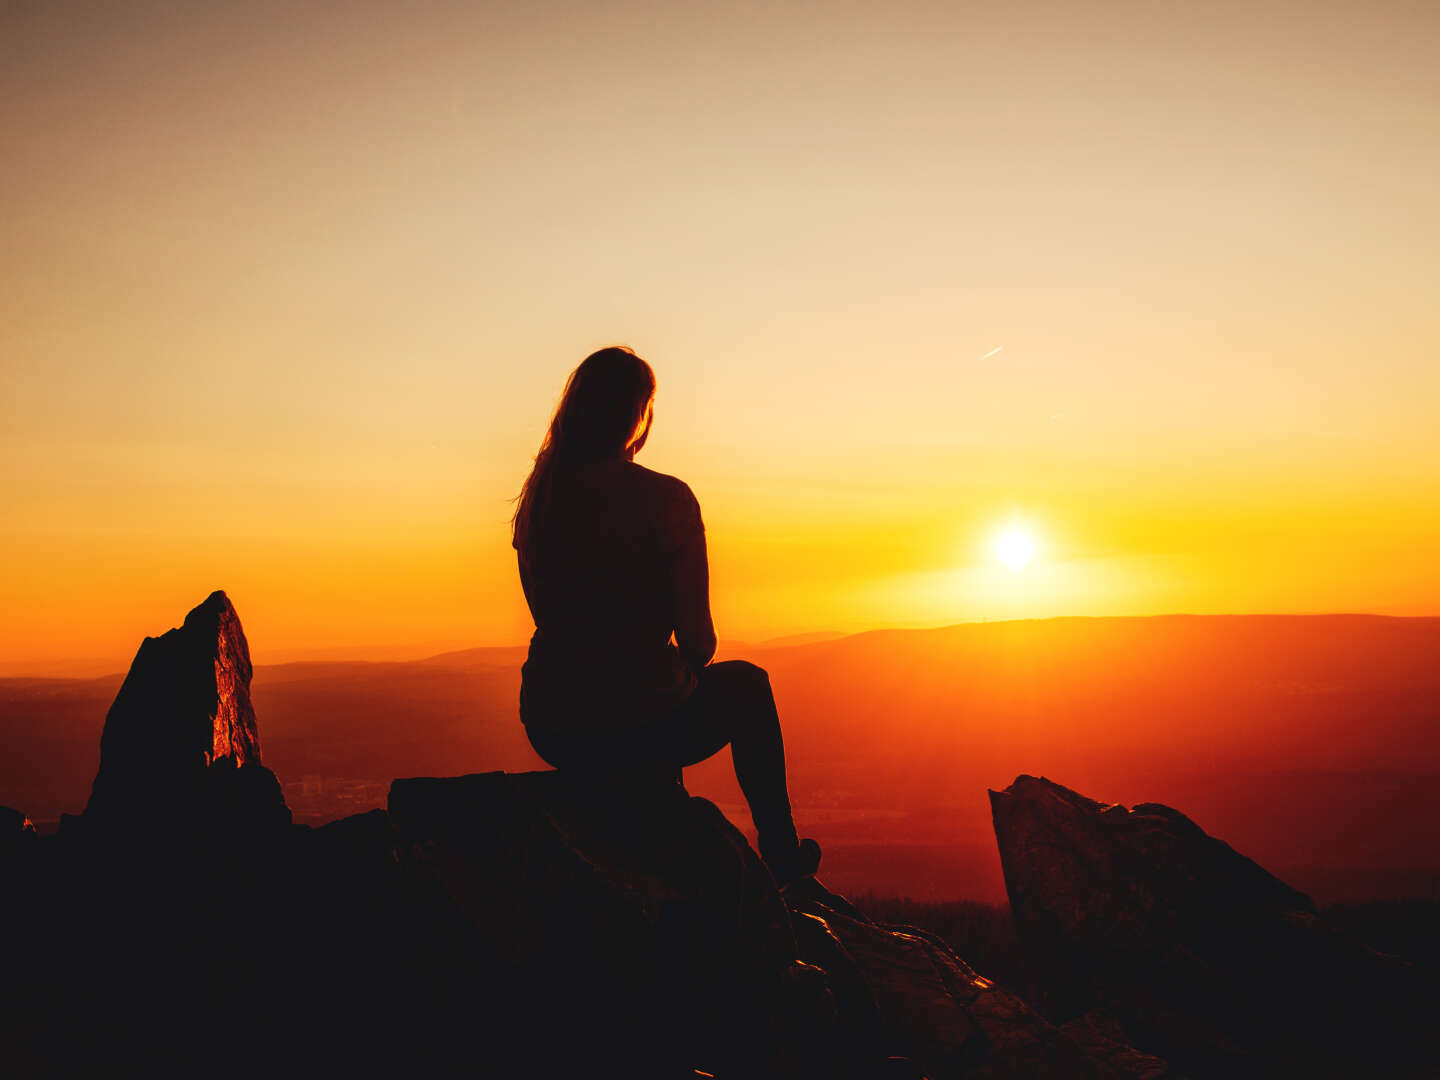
599, 413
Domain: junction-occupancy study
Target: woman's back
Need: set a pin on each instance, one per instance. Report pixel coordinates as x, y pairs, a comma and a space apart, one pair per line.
612, 560
613, 569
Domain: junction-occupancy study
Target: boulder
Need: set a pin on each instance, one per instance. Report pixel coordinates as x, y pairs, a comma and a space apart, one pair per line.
638, 920
626, 914
1137, 923
905, 993
15, 829
180, 747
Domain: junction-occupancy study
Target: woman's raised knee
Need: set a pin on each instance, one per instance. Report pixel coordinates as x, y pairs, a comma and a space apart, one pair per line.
750, 674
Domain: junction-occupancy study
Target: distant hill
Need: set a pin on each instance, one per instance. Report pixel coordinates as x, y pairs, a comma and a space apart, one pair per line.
1311, 743
801, 639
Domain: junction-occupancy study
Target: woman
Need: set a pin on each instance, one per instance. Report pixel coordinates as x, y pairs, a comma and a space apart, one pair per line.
612, 560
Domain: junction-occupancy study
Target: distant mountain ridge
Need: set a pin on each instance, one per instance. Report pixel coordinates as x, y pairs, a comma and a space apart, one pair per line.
1312, 740
84, 668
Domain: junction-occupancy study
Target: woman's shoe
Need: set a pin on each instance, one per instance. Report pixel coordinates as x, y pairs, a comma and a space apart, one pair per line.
801, 862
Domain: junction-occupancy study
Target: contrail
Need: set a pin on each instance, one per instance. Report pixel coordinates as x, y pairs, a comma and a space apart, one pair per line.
992, 352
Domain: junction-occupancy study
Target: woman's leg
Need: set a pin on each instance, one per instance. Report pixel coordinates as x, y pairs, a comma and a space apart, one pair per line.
734, 704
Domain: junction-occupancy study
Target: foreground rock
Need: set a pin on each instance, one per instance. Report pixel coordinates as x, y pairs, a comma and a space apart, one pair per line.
631, 918
544, 925
15, 830
645, 925
503, 925
181, 748
533, 925
1138, 924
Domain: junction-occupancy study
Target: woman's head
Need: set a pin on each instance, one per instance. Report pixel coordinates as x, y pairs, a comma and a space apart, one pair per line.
605, 412
603, 408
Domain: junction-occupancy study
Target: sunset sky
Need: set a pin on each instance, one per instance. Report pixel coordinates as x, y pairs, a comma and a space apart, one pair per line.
288, 292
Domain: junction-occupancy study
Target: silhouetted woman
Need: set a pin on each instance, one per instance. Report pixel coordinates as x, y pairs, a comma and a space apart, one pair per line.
612, 560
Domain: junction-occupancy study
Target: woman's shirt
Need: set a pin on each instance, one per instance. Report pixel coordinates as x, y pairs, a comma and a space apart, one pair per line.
618, 564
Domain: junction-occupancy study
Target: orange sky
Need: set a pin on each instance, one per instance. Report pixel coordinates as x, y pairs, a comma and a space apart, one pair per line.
287, 293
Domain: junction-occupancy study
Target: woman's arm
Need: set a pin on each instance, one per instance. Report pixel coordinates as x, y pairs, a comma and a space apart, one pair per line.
690, 578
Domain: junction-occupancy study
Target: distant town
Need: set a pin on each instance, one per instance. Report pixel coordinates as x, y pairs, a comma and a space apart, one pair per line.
315, 799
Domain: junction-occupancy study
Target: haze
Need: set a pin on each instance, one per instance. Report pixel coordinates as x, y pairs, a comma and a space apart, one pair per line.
1307, 742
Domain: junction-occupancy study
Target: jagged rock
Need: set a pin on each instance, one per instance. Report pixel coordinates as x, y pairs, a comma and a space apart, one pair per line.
15, 829
244, 802
654, 906
1102, 1040
532, 925
1138, 918
637, 915
910, 995
180, 743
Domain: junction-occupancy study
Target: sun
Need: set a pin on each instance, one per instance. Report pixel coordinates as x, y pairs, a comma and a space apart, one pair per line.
1014, 547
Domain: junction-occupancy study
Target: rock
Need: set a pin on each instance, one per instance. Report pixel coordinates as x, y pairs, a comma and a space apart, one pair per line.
535, 924
1137, 924
15, 829
243, 803
1102, 1040
646, 925
529, 924
180, 744
630, 915
904, 992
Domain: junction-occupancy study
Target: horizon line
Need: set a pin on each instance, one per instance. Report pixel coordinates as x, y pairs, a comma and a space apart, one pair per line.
47, 669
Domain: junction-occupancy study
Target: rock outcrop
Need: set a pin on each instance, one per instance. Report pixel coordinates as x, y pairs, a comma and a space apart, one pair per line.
552, 925
180, 749
632, 918
536, 924
1137, 923
905, 991
678, 952
15, 829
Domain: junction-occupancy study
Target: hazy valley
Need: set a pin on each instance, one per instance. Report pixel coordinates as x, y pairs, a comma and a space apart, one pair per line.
1309, 743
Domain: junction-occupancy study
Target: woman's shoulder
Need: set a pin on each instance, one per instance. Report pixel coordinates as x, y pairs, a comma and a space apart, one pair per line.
670, 504
662, 485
